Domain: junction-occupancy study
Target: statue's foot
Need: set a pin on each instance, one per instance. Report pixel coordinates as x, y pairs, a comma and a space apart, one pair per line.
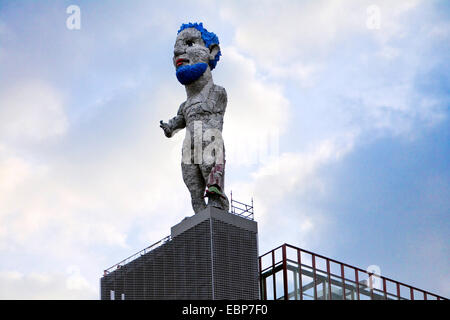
218, 202
216, 198
212, 190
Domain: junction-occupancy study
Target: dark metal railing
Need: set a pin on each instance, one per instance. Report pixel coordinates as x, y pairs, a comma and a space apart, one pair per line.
241, 209
137, 255
338, 285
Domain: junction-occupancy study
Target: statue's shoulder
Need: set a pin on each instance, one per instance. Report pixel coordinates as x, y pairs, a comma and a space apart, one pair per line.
218, 99
218, 89
218, 93
181, 108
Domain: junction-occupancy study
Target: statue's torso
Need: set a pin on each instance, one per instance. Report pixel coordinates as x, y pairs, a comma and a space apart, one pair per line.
210, 110
204, 118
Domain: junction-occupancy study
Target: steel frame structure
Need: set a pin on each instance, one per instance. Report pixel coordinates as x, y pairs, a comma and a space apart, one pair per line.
291, 273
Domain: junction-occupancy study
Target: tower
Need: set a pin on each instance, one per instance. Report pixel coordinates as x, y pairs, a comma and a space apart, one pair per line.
211, 255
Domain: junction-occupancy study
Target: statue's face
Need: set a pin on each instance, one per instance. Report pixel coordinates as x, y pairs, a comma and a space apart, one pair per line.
190, 49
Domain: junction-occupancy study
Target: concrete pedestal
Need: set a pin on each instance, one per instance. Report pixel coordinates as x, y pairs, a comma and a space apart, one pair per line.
211, 255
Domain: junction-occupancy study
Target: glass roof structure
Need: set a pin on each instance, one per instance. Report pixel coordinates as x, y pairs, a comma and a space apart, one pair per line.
291, 273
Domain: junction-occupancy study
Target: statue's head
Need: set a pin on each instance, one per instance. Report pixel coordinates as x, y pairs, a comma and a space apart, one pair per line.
195, 51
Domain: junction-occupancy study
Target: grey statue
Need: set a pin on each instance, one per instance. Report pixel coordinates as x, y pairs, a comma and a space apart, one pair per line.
196, 53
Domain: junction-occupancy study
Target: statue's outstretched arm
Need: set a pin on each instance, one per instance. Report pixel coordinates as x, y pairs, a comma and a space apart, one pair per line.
176, 123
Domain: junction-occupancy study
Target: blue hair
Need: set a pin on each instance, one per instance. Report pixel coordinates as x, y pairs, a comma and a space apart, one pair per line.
208, 37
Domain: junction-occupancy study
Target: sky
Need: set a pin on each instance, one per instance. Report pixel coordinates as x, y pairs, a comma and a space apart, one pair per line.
337, 125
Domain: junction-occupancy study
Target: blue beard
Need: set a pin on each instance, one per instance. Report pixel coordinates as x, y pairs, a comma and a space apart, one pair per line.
190, 73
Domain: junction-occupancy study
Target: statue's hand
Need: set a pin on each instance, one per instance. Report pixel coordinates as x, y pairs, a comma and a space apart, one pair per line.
166, 128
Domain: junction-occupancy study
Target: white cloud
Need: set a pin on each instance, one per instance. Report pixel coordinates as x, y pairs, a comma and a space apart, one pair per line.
295, 172
59, 205
32, 111
42, 286
289, 40
257, 111
368, 77
276, 33
283, 189
35, 200
13, 171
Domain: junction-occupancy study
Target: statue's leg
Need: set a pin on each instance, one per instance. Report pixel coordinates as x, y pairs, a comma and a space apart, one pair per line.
214, 177
193, 178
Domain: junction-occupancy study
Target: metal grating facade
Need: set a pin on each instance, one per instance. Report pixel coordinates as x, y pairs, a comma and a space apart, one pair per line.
234, 262
212, 255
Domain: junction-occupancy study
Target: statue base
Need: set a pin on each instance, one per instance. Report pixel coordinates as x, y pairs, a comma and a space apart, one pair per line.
212, 255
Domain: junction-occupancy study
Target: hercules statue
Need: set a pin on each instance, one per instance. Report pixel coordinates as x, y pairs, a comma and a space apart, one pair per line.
196, 53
